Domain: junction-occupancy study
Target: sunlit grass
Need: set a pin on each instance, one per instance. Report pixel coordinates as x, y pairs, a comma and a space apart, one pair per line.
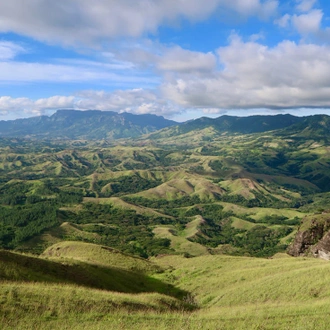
225, 293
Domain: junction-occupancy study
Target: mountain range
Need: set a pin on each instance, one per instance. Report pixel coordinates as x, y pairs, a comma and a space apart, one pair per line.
90, 125
95, 124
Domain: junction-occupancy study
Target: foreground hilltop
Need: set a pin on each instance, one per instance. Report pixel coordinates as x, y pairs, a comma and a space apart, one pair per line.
60, 290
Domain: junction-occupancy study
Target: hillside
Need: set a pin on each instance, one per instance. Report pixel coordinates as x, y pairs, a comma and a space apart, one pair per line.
97, 125
130, 276
231, 125
90, 125
188, 231
221, 292
251, 190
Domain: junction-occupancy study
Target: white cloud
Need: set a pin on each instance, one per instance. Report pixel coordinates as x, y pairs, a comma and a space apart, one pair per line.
253, 7
289, 75
140, 65
309, 22
9, 50
55, 102
284, 21
85, 21
74, 71
181, 60
16, 107
305, 5
136, 101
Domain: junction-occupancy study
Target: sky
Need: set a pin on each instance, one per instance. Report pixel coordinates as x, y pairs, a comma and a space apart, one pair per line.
181, 59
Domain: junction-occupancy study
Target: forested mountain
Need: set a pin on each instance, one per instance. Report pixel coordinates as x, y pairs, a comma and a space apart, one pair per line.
90, 125
231, 125
96, 125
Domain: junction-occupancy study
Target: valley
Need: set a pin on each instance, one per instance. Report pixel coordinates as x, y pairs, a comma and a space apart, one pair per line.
185, 226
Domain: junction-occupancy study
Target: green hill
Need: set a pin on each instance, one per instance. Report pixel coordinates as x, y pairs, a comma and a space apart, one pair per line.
106, 276
225, 293
91, 125
98, 255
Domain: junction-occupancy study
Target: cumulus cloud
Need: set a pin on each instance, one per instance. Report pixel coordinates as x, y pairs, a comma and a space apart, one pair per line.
136, 101
139, 65
306, 20
27, 107
305, 5
253, 7
83, 21
309, 22
288, 75
284, 21
182, 60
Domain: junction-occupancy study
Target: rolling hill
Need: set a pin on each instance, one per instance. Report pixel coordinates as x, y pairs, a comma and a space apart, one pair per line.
163, 231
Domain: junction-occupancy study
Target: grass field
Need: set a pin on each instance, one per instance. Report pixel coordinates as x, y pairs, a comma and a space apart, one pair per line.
222, 292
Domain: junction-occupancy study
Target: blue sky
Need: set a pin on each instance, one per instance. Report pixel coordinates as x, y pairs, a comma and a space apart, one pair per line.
181, 59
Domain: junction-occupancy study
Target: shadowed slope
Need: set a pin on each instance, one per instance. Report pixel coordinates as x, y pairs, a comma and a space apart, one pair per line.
17, 268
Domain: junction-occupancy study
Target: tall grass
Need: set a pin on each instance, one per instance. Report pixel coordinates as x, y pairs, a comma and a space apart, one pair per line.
225, 293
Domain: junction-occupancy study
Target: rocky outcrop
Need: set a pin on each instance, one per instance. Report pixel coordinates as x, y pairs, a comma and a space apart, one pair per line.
313, 237
322, 248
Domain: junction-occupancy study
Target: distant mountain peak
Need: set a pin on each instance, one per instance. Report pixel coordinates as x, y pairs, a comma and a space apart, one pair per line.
88, 124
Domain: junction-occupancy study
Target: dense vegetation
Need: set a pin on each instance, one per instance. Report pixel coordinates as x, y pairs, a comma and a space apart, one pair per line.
73, 124
128, 195
182, 198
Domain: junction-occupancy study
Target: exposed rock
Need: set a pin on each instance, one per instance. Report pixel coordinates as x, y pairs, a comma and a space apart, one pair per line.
313, 237
322, 248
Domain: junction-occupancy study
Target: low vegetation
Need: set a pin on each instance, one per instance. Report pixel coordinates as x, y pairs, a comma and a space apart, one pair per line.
208, 292
186, 228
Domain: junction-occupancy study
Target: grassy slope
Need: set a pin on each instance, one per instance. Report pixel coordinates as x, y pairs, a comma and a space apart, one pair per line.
179, 241
258, 213
231, 292
117, 202
239, 292
98, 255
55, 235
188, 185
131, 279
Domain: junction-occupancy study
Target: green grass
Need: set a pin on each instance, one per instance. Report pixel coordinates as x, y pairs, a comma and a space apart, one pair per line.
117, 202
98, 255
230, 293
130, 279
258, 213
185, 185
192, 227
241, 224
180, 243
55, 235
49, 306
85, 286
219, 281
